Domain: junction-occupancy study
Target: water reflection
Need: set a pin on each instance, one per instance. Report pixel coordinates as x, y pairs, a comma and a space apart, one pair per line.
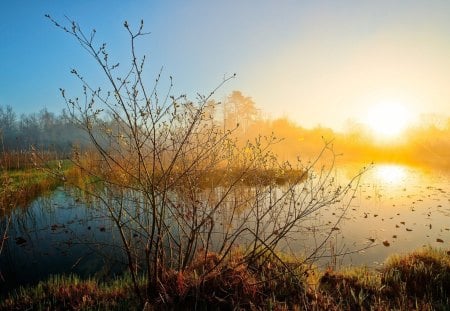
395, 209
57, 235
390, 173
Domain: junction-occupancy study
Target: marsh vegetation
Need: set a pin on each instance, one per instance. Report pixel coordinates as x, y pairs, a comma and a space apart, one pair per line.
167, 201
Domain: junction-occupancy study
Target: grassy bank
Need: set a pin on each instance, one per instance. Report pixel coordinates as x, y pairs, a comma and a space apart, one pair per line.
416, 281
18, 187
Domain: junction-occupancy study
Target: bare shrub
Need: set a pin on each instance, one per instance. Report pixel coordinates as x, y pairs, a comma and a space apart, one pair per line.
177, 183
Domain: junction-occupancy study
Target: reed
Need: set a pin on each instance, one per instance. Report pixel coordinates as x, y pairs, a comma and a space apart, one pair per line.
24, 159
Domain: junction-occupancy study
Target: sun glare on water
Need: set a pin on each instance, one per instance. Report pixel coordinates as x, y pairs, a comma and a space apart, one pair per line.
388, 119
390, 173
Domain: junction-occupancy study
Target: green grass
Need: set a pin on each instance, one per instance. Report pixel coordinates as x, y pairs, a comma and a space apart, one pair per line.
72, 293
19, 187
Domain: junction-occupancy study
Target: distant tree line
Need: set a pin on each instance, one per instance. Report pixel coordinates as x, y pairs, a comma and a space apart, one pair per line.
44, 130
47, 131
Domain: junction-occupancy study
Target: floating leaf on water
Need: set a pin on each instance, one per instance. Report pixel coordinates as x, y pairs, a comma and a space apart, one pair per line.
407, 229
56, 226
102, 229
439, 240
20, 240
394, 236
375, 215
371, 240
334, 229
397, 226
386, 243
402, 222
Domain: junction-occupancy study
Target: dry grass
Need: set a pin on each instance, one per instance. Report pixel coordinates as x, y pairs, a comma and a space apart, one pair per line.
416, 281
71, 293
399, 285
20, 187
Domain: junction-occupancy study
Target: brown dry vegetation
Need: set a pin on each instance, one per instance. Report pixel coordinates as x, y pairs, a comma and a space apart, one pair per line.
416, 281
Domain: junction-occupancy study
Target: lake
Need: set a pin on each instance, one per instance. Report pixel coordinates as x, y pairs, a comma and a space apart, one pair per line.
400, 209
394, 209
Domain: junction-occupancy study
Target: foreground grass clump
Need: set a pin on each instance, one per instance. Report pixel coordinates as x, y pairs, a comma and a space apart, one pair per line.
227, 286
424, 274
72, 293
416, 281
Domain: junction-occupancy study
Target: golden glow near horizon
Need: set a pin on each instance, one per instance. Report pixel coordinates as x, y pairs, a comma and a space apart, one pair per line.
388, 119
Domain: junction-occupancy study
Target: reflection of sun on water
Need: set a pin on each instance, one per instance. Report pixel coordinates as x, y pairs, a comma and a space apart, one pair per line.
390, 173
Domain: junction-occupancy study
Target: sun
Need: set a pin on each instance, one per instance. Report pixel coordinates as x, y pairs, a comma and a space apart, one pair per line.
388, 119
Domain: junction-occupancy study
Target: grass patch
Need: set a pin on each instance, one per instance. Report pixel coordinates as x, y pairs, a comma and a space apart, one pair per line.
72, 293
228, 286
424, 274
416, 281
253, 177
18, 187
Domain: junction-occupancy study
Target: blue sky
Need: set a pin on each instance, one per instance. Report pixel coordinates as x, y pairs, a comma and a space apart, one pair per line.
316, 62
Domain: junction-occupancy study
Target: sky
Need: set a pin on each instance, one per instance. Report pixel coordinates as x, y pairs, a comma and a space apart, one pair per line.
315, 62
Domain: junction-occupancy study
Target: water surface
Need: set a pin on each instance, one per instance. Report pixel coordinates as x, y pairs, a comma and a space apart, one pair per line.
394, 209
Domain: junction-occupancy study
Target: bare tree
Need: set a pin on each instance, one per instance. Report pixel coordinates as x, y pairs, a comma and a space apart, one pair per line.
167, 172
